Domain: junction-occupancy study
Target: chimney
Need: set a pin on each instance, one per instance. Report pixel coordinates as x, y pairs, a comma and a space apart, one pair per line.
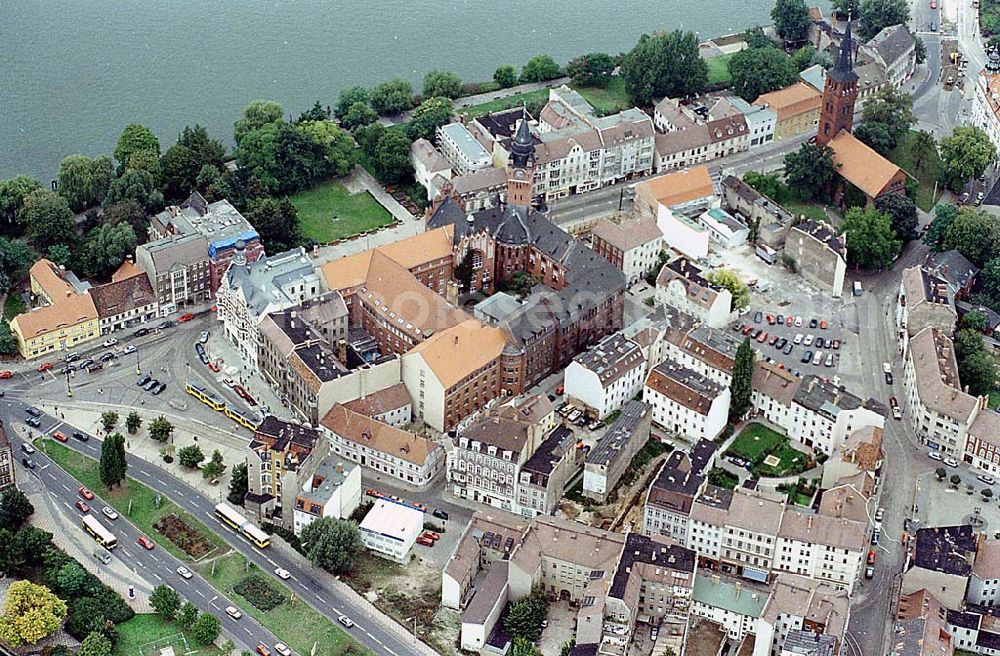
342, 352
340, 468
451, 293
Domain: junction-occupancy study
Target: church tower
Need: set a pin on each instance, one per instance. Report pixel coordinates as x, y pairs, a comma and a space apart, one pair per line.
521, 166
840, 93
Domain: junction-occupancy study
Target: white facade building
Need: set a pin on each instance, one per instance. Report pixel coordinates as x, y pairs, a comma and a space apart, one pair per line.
390, 529
686, 403
333, 490
723, 229
986, 102
461, 149
605, 376
681, 285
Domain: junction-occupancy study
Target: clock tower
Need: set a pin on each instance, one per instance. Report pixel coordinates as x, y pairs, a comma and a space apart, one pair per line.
521, 166
840, 93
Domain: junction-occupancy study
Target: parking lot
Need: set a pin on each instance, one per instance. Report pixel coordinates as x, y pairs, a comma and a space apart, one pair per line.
802, 344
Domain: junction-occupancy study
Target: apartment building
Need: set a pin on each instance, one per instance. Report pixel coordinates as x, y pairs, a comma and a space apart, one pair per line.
750, 206
178, 269
391, 529
696, 346
986, 101
686, 403
696, 134
333, 489
63, 315
127, 301
803, 617
894, 50
820, 254
952, 267
676, 200
797, 108
679, 482
544, 476
606, 376
632, 245
681, 285
734, 605
461, 149
823, 414
925, 300
613, 452
430, 168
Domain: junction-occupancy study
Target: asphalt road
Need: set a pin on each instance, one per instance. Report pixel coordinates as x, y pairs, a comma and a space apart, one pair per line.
321, 594
157, 565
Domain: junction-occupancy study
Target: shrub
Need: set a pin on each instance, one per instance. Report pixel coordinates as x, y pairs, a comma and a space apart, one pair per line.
258, 591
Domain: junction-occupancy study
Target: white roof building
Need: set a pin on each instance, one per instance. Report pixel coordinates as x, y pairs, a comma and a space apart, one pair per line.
390, 529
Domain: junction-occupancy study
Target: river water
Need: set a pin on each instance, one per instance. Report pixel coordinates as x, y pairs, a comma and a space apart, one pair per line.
73, 73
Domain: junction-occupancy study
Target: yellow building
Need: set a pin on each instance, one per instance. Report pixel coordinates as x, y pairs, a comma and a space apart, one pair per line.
797, 107
67, 318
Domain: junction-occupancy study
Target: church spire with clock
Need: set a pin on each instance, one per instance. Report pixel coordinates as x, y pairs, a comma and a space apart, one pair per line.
521, 165
840, 93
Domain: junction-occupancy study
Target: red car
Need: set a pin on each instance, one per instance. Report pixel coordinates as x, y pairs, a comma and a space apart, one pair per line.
6, 374
213, 367
427, 542
762, 336
60, 436
85, 493
45, 366
748, 330
81, 506
823, 325
789, 320
263, 650
243, 394
145, 542
185, 317
432, 535
871, 557
770, 319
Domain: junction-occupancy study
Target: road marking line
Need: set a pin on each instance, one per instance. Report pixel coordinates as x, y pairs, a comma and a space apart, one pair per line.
200, 593
154, 557
304, 586
321, 599
248, 631
158, 577
65, 487
160, 481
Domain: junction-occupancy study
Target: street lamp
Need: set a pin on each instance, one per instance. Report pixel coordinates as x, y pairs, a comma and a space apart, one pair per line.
69, 390
138, 370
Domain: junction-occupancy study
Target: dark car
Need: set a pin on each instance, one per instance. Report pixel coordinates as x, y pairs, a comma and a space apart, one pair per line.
199, 348
68, 369
142, 332
34, 412
151, 385
781, 343
807, 357
888, 378
28, 462
758, 317
72, 357
33, 422
203, 357
788, 348
818, 343
83, 437
440, 514
108, 357
166, 324
160, 388
86, 363
144, 381
813, 322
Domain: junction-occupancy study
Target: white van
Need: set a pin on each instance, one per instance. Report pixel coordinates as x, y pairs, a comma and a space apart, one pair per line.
818, 358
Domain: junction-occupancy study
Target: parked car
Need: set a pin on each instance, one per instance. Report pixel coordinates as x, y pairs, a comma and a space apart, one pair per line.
951, 462
888, 378
184, 318
109, 342
165, 325
128, 349
817, 358
980, 196
780, 319
879, 514
110, 513
233, 612
808, 340
440, 514
144, 380
203, 337
425, 541
34, 412
798, 338
159, 389
262, 650
748, 329
757, 317
935, 455
108, 357
86, 363
4, 375
762, 336
897, 413
869, 572
774, 340
789, 320
788, 349
986, 478
82, 506
807, 357
83, 437
203, 357
829, 360
836, 345
33, 422
813, 322
27, 448
45, 366
823, 324
798, 322
28, 462
72, 357
282, 649
770, 319
145, 542
150, 385
781, 343
432, 535
142, 332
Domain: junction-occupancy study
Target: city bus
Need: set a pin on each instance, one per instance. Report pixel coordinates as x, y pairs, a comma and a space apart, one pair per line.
98, 532
240, 418
211, 399
240, 523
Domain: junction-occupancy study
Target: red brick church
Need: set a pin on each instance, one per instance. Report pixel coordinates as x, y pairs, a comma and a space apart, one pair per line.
855, 162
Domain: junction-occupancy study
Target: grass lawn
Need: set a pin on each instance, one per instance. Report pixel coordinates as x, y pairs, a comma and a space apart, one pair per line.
296, 622
609, 100
792, 462
900, 156
994, 400
722, 478
756, 441
133, 499
809, 209
143, 629
505, 103
13, 306
328, 212
718, 69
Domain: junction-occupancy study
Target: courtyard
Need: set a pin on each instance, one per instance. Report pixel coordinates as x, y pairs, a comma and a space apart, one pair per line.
768, 452
328, 212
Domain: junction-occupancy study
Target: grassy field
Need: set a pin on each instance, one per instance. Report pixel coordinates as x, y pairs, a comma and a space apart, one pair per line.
718, 69
609, 100
505, 103
755, 442
810, 209
900, 156
295, 622
793, 461
133, 499
144, 629
328, 212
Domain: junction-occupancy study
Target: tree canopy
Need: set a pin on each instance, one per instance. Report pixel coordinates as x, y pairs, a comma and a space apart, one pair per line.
428, 117
277, 222
875, 15
442, 83
47, 218
809, 169
741, 385
348, 97
791, 19
135, 140
730, 280
539, 68
12, 195
664, 65
902, 213
505, 76
256, 115
591, 70
15, 508
106, 247
871, 241
392, 97
30, 613
332, 543
112, 463
974, 234
83, 181
937, 232
964, 155
755, 71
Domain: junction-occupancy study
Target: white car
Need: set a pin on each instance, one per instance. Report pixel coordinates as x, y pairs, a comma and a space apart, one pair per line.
808, 341
129, 349
798, 338
282, 649
798, 322
109, 512
186, 573
879, 514
233, 612
951, 462
203, 337
935, 455
282, 573
346, 621
109, 342
986, 478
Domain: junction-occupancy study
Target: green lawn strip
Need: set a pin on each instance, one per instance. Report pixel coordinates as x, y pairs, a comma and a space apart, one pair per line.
792, 462
994, 399
144, 629
806, 208
755, 441
610, 99
144, 512
298, 625
327, 211
718, 69
13, 306
900, 156
501, 104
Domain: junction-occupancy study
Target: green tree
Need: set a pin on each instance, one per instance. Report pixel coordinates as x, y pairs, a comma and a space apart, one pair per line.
95, 644
179, 168
505, 76
113, 464
804, 57
15, 258
902, 213
127, 212
190, 456
919, 50
160, 429
360, 113
976, 319
8, 343
59, 254
442, 83
809, 169
392, 97
871, 241
976, 235
845, 8
892, 108
48, 219
165, 601
109, 419
664, 65
524, 647
238, 484
348, 97
257, 114
132, 422
332, 543
368, 137
215, 466
30, 613
791, 19
12, 195
539, 68
937, 232
208, 151
21, 550
106, 248
227, 648
591, 70
72, 580
964, 155
277, 222
728, 279
428, 117
337, 146
756, 38
15, 509
977, 368
923, 149
392, 156
206, 629
187, 615
877, 136
524, 620
83, 181
741, 385
135, 140
878, 14
755, 71
139, 186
